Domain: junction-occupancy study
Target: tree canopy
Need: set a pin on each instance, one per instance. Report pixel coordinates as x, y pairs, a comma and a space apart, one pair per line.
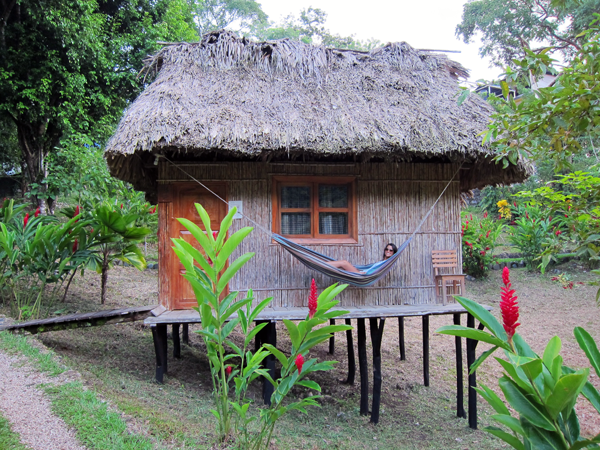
508, 27
69, 67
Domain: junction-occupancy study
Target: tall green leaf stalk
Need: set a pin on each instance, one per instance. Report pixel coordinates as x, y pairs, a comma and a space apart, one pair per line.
542, 391
208, 273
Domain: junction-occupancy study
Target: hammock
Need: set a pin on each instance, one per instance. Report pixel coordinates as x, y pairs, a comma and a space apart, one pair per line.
318, 262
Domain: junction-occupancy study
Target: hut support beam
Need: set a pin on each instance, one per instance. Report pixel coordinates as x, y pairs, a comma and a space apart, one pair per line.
269, 336
460, 407
401, 338
376, 334
176, 341
332, 339
185, 332
471, 347
362, 365
351, 360
159, 336
426, 350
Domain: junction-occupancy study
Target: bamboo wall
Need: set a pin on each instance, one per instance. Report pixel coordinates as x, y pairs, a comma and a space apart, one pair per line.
392, 199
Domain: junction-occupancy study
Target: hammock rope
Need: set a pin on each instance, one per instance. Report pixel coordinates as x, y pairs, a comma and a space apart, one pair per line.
371, 273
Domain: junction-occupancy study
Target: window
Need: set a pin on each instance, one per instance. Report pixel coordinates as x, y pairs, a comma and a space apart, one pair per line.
314, 209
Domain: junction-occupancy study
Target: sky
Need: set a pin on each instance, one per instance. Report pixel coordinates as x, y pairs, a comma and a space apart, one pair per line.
424, 24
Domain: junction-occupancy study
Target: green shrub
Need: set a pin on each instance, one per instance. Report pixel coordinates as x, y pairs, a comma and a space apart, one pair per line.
479, 237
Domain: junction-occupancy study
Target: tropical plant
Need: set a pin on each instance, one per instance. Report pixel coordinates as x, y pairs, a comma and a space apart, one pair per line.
37, 252
113, 235
541, 390
208, 273
479, 237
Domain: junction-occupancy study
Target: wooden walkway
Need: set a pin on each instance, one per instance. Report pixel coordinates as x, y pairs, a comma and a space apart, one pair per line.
80, 320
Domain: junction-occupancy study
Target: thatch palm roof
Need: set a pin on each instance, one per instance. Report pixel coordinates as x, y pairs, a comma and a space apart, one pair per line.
229, 97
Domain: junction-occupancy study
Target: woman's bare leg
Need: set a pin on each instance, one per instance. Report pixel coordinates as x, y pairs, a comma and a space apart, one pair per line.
344, 265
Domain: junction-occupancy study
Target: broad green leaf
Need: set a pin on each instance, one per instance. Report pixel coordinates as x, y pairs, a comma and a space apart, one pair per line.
293, 332
232, 270
231, 244
492, 398
224, 228
253, 332
278, 354
510, 422
565, 393
235, 307
588, 345
543, 439
484, 316
471, 333
519, 401
258, 309
481, 359
510, 439
551, 352
309, 384
200, 236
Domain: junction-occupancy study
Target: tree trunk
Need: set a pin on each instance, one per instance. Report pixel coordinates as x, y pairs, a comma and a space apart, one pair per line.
104, 277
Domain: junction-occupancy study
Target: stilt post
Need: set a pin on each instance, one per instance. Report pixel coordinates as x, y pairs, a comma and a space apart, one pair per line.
425, 350
401, 338
176, 341
351, 360
332, 339
471, 344
460, 407
376, 334
362, 365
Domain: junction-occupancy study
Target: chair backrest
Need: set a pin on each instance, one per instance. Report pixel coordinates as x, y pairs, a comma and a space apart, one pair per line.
445, 261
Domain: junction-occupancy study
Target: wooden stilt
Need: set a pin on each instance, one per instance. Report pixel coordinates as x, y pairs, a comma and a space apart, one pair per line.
376, 335
362, 365
460, 407
258, 338
401, 338
351, 360
332, 339
176, 341
270, 337
472, 376
185, 334
159, 336
425, 350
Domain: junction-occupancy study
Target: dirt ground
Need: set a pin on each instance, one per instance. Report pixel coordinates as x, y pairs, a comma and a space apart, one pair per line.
118, 361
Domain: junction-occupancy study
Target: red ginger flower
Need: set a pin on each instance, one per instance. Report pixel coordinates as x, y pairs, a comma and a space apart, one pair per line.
75, 245
312, 300
485, 215
228, 370
215, 234
76, 211
469, 244
299, 362
121, 205
509, 305
487, 235
37, 212
25, 220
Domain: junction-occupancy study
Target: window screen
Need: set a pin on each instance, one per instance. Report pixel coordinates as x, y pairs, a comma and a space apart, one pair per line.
295, 223
295, 197
333, 196
333, 223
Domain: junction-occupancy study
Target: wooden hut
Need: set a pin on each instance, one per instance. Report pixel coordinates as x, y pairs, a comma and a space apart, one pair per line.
340, 150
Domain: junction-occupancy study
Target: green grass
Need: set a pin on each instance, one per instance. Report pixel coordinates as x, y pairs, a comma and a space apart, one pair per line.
43, 361
9, 440
95, 425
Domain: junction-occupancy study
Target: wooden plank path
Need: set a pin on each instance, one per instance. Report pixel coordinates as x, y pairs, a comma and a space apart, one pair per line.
80, 320
300, 313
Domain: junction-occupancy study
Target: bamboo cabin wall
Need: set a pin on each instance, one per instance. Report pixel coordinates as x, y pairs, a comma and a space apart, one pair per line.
392, 199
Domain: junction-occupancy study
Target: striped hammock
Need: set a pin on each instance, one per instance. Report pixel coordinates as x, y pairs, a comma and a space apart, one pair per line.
318, 262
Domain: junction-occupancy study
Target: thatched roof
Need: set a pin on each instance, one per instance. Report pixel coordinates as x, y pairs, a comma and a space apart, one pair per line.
228, 97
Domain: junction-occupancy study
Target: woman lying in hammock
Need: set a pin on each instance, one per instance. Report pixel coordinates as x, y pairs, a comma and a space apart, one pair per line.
389, 250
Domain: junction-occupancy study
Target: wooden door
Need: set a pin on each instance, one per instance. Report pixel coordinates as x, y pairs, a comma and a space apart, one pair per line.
185, 196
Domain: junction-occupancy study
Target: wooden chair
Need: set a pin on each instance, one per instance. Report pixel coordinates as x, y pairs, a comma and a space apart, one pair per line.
449, 279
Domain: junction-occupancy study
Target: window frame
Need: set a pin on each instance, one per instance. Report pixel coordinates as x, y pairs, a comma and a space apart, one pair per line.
315, 237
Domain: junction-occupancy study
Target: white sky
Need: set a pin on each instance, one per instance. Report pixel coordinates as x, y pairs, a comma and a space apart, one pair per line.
426, 24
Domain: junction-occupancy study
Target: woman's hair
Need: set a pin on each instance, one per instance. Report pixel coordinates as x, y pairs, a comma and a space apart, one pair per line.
390, 245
